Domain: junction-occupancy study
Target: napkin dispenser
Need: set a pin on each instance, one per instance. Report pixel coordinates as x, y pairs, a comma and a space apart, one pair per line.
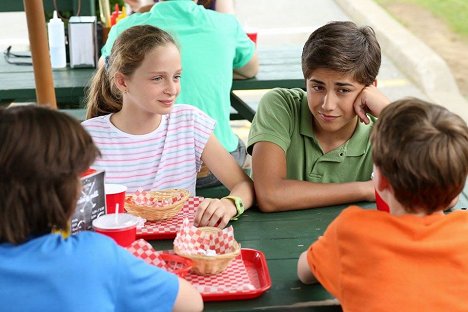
82, 41
91, 203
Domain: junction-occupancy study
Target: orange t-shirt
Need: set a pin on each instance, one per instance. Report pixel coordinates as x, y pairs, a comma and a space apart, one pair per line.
373, 261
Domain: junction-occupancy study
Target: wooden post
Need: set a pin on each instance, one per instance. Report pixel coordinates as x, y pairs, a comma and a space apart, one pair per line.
44, 80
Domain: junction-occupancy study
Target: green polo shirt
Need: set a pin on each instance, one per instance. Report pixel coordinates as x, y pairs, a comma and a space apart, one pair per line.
283, 118
212, 44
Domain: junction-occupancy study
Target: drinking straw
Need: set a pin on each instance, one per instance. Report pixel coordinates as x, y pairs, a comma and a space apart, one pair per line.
116, 213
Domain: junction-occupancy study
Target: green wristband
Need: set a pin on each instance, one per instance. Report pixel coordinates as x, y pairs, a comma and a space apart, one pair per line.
239, 205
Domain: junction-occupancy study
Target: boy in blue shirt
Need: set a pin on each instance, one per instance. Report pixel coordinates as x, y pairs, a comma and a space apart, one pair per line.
43, 153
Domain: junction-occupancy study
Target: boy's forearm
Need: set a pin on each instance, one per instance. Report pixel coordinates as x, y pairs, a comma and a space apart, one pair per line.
297, 195
303, 270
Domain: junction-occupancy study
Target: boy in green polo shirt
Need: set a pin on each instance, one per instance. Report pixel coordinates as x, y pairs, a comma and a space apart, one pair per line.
312, 149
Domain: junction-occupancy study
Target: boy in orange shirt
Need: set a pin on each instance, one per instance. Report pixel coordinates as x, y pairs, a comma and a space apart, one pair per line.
416, 257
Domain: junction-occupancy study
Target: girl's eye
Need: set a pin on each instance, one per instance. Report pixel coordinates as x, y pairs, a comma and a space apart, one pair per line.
343, 90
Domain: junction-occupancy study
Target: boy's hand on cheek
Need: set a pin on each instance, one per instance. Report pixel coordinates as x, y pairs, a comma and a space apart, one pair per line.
370, 100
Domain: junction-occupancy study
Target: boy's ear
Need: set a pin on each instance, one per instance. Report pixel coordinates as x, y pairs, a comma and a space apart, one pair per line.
454, 202
120, 81
374, 83
382, 182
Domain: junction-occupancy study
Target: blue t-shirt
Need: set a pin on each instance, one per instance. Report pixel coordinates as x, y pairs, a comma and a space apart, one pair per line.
86, 272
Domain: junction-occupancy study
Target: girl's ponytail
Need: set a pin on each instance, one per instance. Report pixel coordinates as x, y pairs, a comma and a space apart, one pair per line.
102, 99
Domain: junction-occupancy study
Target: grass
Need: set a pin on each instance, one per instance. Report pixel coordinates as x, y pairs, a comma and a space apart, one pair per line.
452, 12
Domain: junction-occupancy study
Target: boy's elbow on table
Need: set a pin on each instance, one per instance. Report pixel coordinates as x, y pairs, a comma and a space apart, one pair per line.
266, 201
303, 270
266, 207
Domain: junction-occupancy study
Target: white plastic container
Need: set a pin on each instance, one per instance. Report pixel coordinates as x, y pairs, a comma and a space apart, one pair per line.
56, 32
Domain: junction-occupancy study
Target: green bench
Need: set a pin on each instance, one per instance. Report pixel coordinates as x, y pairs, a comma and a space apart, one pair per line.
216, 191
83, 7
212, 192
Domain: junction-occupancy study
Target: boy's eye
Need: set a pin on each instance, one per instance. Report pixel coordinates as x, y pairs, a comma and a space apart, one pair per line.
343, 90
157, 78
318, 88
177, 77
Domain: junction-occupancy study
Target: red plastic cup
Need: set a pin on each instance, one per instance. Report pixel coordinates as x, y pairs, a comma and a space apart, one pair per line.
252, 36
121, 227
381, 204
115, 194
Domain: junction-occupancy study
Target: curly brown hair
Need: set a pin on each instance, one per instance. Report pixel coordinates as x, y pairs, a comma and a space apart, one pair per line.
43, 153
422, 149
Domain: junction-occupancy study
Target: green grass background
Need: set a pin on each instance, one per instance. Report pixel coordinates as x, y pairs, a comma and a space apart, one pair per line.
453, 12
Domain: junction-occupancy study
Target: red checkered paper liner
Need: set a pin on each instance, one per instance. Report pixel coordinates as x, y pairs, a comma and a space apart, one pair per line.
168, 228
234, 280
142, 249
145, 198
191, 240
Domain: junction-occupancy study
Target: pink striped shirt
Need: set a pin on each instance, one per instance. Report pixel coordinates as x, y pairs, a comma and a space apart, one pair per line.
169, 157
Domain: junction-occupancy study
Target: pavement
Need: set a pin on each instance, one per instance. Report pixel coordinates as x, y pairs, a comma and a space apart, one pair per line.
412, 56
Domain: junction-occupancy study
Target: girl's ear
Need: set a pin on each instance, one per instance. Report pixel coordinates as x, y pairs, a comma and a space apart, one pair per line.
374, 83
120, 82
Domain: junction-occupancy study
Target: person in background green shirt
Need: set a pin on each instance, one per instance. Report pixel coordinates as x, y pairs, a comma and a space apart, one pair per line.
309, 148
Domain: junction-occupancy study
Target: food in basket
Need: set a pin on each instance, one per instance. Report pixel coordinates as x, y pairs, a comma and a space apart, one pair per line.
156, 205
210, 249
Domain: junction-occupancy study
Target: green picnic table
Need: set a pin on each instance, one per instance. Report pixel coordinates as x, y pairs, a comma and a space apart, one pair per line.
282, 237
83, 7
279, 67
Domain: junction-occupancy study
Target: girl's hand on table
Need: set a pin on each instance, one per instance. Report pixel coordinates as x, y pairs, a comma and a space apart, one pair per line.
214, 212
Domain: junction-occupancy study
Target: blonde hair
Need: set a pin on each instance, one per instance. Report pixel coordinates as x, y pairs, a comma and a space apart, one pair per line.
422, 149
127, 54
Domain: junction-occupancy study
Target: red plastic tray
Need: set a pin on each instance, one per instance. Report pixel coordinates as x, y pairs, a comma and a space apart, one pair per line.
167, 229
257, 270
246, 277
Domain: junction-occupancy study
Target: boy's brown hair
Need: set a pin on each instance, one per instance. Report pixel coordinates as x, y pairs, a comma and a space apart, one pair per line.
343, 47
422, 149
127, 54
42, 154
